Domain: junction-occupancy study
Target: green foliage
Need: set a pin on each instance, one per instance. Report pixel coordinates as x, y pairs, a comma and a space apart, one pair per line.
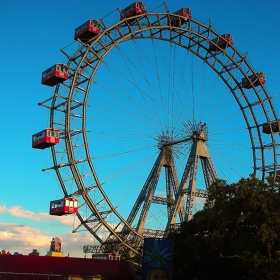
235, 236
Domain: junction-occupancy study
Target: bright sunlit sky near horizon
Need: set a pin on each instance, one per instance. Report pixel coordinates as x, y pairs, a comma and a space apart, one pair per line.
33, 32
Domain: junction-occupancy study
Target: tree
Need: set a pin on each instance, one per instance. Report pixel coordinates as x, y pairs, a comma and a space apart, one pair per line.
237, 236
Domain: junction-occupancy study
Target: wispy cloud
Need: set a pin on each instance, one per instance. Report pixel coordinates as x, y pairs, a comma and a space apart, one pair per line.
36, 230
18, 211
23, 239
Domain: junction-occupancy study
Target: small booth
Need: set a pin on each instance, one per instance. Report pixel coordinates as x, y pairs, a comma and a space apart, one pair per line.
106, 256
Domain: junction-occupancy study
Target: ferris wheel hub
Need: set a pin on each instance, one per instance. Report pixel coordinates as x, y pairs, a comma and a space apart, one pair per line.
200, 132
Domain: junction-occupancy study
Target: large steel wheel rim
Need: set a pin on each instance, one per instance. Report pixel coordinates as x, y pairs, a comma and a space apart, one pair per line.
75, 165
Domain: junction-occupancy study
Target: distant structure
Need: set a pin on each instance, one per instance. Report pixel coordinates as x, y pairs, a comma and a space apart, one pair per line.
34, 253
55, 248
3, 252
55, 245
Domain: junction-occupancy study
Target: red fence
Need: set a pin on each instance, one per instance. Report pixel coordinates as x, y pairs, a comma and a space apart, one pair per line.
56, 268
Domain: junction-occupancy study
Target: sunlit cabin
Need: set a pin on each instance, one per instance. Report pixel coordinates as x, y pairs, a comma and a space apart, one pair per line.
253, 80
65, 206
184, 13
45, 138
137, 8
87, 31
54, 75
106, 256
272, 127
221, 42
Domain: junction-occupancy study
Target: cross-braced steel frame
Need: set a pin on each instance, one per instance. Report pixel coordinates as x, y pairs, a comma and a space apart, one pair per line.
72, 160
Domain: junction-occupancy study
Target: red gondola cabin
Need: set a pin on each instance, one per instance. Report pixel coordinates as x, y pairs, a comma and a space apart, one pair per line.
54, 75
253, 80
221, 42
185, 13
87, 31
45, 138
137, 8
67, 205
275, 127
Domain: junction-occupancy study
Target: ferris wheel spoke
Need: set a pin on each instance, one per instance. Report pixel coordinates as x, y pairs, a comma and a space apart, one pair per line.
149, 117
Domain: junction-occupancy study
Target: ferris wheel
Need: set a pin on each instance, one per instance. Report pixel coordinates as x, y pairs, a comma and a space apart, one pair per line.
150, 111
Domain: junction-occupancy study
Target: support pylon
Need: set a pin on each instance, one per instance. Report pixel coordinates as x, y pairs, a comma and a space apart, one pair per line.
198, 152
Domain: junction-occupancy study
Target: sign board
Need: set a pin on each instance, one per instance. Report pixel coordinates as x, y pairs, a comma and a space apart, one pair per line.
157, 259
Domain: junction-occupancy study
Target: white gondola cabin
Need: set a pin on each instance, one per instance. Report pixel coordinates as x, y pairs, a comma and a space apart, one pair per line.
221, 42
45, 138
54, 75
272, 127
87, 31
65, 206
253, 80
184, 13
137, 8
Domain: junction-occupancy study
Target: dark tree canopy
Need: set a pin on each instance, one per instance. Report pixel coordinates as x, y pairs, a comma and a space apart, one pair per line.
237, 238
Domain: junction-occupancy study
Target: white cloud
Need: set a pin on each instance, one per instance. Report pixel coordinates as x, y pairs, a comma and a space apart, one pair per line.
18, 211
36, 231
23, 239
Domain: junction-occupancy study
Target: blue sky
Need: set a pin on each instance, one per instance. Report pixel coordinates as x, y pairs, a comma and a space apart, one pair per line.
33, 32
